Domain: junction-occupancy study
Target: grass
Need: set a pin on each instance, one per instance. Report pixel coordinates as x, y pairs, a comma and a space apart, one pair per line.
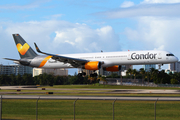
97, 86
89, 110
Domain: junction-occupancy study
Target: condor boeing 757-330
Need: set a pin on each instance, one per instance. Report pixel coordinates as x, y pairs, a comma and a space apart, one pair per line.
109, 61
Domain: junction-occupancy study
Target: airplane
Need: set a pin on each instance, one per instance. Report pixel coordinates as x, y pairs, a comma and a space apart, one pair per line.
109, 61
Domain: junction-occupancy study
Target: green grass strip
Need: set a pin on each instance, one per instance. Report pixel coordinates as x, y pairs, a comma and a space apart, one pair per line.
97, 86
89, 110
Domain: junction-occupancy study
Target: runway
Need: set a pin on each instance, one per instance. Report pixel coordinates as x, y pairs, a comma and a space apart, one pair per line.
59, 97
86, 90
111, 92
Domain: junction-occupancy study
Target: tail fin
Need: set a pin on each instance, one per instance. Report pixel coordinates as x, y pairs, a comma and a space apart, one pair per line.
25, 51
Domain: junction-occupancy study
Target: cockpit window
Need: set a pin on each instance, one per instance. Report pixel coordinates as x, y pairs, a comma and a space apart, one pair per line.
169, 55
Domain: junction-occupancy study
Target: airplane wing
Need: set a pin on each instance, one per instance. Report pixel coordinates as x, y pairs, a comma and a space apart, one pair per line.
75, 62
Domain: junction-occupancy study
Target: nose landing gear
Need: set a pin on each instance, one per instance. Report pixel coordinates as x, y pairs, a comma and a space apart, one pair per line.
159, 66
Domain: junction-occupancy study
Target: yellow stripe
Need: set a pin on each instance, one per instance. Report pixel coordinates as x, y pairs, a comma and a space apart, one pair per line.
44, 61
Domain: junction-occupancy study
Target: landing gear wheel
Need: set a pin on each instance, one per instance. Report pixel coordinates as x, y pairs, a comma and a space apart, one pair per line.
79, 74
82, 74
93, 75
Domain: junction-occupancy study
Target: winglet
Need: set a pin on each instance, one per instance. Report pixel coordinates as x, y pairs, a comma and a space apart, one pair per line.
37, 48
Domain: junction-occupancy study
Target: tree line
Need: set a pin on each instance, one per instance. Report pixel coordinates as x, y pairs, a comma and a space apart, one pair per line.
43, 79
158, 77
154, 75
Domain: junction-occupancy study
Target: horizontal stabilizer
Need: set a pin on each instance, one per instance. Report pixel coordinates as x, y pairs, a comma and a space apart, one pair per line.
22, 62
11, 59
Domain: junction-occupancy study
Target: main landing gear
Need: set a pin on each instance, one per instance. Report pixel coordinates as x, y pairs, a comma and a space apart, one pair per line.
93, 75
82, 74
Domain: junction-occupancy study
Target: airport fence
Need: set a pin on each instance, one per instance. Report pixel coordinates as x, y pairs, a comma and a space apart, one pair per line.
68, 109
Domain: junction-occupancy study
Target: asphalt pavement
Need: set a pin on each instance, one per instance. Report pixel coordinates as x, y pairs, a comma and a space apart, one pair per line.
120, 91
62, 97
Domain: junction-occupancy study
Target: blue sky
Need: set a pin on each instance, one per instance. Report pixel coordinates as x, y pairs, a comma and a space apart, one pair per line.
83, 26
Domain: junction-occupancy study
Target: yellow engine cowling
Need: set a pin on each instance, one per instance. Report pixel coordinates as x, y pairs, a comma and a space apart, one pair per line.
92, 65
114, 68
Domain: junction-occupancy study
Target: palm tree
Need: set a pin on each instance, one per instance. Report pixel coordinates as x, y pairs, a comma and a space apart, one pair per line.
162, 73
142, 72
148, 74
129, 72
134, 72
121, 76
153, 73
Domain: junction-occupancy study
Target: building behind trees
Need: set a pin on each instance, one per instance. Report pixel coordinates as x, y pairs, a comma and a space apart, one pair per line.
15, 69
55, 72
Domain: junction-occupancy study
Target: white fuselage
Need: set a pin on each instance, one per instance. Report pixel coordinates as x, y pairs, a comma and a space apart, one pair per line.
119, 58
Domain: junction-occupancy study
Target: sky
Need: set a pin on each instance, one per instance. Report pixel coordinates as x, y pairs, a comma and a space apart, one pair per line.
84, 26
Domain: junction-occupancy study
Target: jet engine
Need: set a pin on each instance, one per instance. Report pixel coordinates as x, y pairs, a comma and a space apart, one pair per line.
92, 65
114, 68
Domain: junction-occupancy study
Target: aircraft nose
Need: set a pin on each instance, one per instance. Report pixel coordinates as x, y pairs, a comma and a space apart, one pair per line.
176, 59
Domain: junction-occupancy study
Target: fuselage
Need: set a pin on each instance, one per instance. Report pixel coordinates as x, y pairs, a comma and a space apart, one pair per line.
109, 59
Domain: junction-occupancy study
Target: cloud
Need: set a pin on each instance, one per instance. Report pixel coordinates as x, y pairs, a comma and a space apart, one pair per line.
84, 39
126, 4
56, 16
156, 33
157, 24
32, 5
170, 10
58, 37
16, 7
160, 1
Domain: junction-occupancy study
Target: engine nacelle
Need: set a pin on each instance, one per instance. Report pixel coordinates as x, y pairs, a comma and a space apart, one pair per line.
114, 68
92, 65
